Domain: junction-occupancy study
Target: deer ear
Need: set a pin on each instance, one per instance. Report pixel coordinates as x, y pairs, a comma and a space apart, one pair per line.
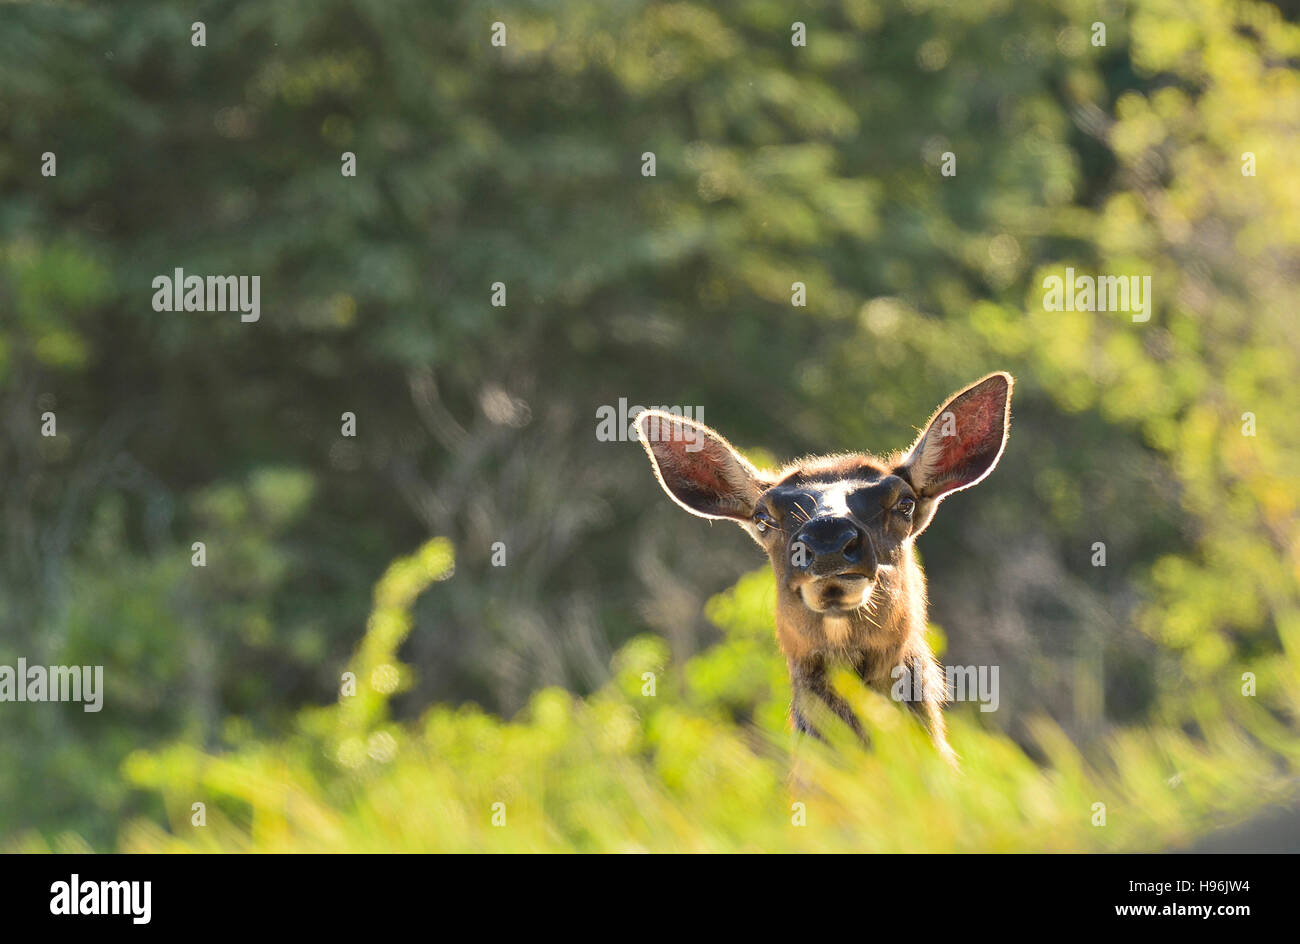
963, 440
698, 468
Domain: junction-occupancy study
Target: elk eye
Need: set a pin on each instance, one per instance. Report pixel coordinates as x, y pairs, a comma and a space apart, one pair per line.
905, 507
763, 521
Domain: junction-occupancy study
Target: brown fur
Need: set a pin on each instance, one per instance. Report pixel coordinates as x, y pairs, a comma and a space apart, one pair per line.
839, 532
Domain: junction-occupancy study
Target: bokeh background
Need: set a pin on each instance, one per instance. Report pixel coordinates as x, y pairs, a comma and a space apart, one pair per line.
523, 684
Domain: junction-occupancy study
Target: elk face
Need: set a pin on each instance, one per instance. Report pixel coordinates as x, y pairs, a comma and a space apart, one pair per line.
829, 534
839, 533
835, 528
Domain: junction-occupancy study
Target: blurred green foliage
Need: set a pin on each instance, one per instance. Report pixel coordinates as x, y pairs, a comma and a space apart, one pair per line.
521, 164
653, 762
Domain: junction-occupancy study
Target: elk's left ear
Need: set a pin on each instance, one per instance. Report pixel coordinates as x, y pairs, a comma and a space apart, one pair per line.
963, 441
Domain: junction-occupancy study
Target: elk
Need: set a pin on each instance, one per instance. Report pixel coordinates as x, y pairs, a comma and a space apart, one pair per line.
839, 531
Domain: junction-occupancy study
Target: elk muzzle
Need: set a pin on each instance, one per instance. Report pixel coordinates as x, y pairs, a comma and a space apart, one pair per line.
832, 563
828, 546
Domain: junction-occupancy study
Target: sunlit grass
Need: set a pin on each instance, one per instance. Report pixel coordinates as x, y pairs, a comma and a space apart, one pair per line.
674, 771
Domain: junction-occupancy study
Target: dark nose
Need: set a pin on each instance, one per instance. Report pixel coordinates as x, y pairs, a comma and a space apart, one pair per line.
831, 544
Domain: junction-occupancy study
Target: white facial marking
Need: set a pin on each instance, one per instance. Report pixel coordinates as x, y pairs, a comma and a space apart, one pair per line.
835, 498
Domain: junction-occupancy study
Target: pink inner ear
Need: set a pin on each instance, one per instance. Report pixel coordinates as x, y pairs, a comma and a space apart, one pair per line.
979, 427
975, 430
698, 469
701, 468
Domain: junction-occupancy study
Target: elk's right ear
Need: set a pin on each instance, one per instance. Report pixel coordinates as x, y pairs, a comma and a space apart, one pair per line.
698, 468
